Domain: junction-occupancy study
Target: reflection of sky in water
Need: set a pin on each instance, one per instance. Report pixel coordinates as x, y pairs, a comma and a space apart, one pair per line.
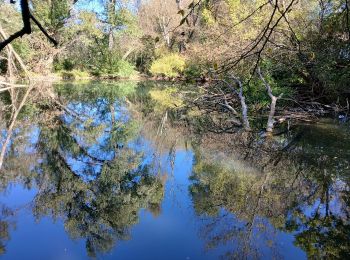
97, 114
176, 233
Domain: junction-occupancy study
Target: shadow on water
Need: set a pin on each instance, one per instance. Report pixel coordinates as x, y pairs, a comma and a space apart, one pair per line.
95, 158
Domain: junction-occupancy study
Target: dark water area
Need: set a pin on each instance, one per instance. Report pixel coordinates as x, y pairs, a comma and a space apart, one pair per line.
106, 173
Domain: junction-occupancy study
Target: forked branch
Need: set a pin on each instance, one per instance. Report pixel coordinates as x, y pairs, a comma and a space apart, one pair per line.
27, 29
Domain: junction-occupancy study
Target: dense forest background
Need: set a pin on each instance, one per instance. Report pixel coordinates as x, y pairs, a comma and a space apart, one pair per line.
255, 53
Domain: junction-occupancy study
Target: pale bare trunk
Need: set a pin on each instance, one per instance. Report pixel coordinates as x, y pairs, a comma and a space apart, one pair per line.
244, 107
110, 40
128, 53
163, 23
271, 118
111, 14
245, 119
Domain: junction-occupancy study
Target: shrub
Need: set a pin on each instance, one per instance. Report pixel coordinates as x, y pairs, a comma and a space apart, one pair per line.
111, 65
193, 71
68, 65
170, 65
74, 74
125, 69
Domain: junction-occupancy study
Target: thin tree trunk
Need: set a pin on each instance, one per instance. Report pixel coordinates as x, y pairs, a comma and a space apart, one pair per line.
110, 39
244, 107
111, 18
271, 118
245, 120
128, 53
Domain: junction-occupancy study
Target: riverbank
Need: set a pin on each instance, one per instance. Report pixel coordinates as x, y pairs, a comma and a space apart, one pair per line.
201, 108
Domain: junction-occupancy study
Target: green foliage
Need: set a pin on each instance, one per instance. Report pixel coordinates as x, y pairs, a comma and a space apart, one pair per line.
166, 98
109, 63
208, 16
74, 74
257, 95
170, 65
193, 71
67, 65
23, 49
146, 55
125, 19
52, 12
125, 69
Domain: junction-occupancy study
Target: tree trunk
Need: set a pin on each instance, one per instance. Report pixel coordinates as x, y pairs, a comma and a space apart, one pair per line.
110, 39
271, 120
111, 18
244, 107
244, 112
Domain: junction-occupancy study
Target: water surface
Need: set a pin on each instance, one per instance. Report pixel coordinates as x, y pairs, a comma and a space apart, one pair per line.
112, 172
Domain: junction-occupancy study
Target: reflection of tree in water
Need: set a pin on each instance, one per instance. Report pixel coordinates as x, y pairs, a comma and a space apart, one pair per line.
5, 224
101, 210
218, 192
88, 175
302, 189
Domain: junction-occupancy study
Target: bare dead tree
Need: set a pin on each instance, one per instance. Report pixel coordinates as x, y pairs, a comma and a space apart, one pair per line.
271, 118
241, 97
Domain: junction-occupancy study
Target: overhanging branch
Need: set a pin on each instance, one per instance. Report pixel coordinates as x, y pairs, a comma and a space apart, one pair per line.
26, 17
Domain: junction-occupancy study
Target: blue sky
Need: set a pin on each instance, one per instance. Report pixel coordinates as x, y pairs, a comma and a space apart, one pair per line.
90, 5
97, 6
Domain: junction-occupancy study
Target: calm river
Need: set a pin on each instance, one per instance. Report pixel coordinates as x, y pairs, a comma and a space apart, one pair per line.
106, 172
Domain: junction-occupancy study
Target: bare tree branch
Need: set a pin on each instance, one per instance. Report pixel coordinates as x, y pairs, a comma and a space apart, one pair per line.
43, 30
26, 17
